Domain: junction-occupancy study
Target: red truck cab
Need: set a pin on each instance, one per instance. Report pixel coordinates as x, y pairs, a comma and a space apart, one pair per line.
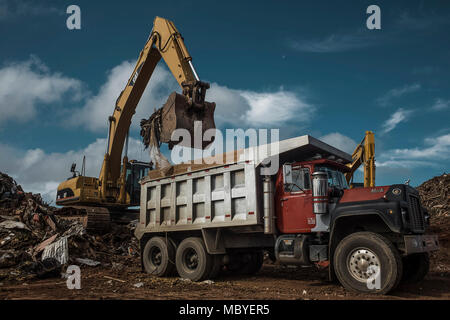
294, 201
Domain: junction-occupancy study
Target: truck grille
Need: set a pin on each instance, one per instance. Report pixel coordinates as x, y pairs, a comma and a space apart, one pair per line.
417, 218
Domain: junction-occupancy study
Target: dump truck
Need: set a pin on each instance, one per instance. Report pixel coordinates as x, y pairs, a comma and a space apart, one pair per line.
202, 218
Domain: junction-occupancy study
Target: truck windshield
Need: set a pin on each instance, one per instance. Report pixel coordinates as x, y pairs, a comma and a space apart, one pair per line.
335, 177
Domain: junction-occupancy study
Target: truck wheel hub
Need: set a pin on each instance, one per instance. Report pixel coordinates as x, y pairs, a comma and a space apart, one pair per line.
155, 256
362, 264
191, 259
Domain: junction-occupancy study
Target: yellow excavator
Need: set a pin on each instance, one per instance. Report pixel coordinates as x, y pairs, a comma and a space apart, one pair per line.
364, 154
97, 200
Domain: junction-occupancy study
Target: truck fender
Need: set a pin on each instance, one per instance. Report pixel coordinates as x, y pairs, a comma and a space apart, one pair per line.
213, 240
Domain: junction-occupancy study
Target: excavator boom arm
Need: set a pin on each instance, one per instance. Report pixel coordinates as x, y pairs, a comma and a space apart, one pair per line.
364, 154
164, 41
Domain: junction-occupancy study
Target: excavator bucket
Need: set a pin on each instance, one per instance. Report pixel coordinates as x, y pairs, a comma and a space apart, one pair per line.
176, 113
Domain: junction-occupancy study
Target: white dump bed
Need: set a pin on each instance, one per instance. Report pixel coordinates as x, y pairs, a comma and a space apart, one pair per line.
222, 195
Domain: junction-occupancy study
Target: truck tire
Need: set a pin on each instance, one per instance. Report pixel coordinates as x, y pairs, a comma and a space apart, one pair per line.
192, 260
158, 257
415, 267
358, 257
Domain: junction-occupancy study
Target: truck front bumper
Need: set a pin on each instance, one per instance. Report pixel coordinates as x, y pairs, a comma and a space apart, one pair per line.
421, 243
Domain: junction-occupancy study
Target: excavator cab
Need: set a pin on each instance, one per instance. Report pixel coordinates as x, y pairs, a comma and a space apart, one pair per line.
136, 170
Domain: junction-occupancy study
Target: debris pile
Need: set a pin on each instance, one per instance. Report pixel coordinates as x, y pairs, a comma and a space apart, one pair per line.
36, 242
435, 195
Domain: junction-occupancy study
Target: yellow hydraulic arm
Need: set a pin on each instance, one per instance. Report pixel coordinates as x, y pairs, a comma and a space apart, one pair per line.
164, 41
364, 154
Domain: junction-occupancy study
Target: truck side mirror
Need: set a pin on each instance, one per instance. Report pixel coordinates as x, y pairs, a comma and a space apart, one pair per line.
72, 168
287, 174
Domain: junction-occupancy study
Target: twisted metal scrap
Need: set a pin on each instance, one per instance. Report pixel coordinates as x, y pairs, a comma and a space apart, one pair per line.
151, 133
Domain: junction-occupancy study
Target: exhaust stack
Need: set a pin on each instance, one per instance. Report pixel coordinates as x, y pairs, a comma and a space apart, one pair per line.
320, 192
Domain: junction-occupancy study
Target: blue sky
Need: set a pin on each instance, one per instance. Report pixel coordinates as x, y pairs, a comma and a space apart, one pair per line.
311, 66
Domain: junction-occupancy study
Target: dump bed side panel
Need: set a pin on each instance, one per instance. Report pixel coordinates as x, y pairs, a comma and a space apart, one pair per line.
218, 197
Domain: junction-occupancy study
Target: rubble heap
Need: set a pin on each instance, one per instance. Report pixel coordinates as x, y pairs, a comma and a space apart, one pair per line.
36, 242
435, 195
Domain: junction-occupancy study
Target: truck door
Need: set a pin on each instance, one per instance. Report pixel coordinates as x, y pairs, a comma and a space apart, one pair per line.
295, 208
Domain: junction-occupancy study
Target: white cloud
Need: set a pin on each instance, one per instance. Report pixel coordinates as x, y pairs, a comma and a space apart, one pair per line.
95, 112
336, 43
438, 148
398, 92
19, 8
41, 172
275, 108
246, 108
340, 141
440, 104
241, 108
399, 116
407, 164
435, 150
26, 85
41, 88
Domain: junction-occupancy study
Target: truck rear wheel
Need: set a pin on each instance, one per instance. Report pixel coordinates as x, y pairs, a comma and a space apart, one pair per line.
415, 267
159, 256
367, 262
192, 260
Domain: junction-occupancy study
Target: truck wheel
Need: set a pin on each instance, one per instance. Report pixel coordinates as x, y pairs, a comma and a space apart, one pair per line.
361, 256
192, 260
159, 256
415, 267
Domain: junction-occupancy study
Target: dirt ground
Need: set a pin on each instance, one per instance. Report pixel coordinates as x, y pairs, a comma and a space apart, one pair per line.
108, 281
272, 282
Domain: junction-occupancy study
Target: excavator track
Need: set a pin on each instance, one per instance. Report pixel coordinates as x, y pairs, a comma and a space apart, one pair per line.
94, 219
97, 220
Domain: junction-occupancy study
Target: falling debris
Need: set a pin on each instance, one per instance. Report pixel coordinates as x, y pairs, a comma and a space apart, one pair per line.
150, 132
